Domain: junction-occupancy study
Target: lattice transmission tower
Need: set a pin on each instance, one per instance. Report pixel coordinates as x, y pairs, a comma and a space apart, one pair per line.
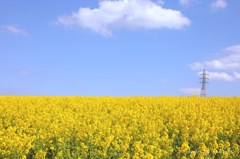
204, 80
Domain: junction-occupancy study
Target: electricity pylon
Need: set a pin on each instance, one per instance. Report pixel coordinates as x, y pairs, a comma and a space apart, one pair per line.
204, 78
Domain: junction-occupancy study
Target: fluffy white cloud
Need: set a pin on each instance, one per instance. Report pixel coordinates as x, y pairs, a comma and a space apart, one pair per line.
224, 68
221, 76
190, 91
133, 14
229, 62
14, 30
233, 49
219, 4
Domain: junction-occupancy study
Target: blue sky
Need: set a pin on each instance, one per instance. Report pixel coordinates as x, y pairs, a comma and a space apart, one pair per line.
119, 48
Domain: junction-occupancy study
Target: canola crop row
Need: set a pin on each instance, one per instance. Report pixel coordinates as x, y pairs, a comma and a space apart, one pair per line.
119, 127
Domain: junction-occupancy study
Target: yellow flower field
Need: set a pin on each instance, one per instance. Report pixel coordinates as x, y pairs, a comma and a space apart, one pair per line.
119, 127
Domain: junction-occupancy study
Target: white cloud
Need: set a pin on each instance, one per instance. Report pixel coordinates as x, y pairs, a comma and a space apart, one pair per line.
131, 14
219, 4
229, 62
220, 76
234, 49
223, 68
14, 30
190, 91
